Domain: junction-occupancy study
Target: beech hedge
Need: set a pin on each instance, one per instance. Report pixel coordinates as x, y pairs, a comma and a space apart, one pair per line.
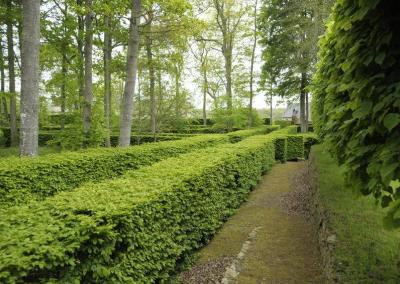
289, 145
356, 102
24, 179
134, 229
242, 134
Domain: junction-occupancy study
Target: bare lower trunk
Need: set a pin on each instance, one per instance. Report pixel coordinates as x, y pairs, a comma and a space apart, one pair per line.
307, 111
131, 72
81, 70
3, 102
271, 109
152, 79
11, 75
88, 94
303, 123
64, 71
204, 107
253, 55
30, 78
107, 78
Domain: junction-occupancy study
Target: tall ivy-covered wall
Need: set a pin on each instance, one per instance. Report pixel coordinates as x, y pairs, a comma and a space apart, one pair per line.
356, 106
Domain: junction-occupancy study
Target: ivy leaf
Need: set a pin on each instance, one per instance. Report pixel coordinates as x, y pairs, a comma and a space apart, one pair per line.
391, 120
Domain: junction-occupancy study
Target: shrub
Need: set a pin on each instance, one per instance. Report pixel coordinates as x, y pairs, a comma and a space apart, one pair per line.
283, 123
309, 139
356, 104
241, 134
134, 229
23, 179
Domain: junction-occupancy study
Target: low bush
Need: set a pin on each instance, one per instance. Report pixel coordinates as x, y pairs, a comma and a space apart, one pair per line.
137, 139
134, 229
288, 145
25, 179
282, 123
242, 134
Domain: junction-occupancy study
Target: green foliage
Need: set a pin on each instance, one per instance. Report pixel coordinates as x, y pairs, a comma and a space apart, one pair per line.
239, 135
133, 229
235, 118
72, 137
365, 252
356, 94
282, 123
26, 179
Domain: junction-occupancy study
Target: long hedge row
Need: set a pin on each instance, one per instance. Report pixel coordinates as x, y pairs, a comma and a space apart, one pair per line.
22, 180
134, 229
356, 101
26, 179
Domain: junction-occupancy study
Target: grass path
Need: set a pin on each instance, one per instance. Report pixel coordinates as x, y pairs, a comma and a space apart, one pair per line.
262, 242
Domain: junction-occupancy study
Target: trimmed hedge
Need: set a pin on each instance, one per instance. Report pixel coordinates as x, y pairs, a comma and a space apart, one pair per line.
134, 229
288, 145
239, 135
138, 139
23, 179
356, 102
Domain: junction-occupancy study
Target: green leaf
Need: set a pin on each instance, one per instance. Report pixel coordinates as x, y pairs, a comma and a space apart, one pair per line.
380, 58
391, 120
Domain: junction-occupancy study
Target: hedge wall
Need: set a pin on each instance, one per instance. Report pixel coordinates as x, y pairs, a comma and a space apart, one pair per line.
356, 102
242, 134
289, 145
134, 229
23, 179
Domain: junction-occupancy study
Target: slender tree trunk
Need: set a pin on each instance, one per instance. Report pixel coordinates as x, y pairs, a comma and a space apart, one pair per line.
177, 95
4, 110
30, 78
253, 55
307, 111
152, 79
131, 73
271, 109
205, 89
88, 94
139, 127
81, 68
303, 122
64, 70
11, 75
204, 106
107, 78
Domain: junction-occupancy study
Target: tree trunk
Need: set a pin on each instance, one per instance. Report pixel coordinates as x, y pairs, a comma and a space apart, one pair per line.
303, 123
253, 55
107, 78
307, 110
11, 75
205, 89
88, 94
64, 70
152, 79
81, 70
271, 109
30, 78
3, 102
131, 73
204, 107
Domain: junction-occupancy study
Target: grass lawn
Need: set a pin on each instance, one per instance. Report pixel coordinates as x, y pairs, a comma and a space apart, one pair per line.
365, 252
14, 151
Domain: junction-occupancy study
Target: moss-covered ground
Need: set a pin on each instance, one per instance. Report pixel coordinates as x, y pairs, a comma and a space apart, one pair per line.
284, 248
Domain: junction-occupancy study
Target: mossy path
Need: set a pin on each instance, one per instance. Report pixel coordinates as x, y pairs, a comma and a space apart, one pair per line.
263, 242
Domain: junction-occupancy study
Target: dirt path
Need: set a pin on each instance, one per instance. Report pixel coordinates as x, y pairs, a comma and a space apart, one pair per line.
269, 240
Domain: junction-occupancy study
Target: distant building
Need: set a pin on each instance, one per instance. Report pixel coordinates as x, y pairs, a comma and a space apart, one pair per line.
293, 110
